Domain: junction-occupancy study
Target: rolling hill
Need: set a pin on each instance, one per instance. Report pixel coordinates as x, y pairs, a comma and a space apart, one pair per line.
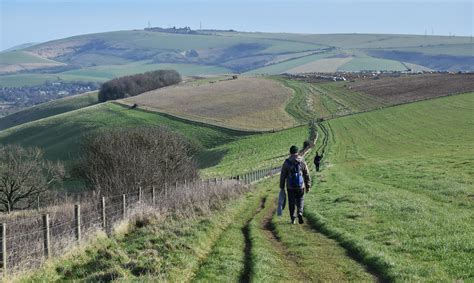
102, 56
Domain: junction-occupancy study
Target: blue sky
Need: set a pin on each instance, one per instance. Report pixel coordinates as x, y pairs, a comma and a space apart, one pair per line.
42, 20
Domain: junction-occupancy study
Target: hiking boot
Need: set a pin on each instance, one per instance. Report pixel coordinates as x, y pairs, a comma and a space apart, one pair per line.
293, 220
300, 219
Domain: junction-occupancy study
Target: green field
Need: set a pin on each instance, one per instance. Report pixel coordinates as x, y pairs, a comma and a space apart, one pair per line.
21, 57
48, 109
465, 49
112, 71
25, 79
399, 193
252, 153
360, 40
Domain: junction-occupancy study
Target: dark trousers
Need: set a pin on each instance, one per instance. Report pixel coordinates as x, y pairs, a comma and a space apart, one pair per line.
317, 166
295, 200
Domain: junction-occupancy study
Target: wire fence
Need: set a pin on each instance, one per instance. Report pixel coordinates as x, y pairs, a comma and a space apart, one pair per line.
28, 238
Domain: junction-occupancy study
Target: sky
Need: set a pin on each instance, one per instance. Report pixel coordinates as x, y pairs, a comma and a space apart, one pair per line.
24, 21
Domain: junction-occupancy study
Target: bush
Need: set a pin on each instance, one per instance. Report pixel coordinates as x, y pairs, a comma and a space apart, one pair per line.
137, 84
120, 161
25, 176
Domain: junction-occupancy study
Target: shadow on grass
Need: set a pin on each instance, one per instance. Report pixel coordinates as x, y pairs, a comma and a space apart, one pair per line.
375, 264
210, 157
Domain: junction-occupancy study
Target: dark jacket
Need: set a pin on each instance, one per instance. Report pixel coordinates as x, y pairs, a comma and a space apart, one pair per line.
317, 158
285, 172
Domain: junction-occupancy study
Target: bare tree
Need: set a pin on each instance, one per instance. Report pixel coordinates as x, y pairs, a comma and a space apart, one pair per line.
25, 175
121, 160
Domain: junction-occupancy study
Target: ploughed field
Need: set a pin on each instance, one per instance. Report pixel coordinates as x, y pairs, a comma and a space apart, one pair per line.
415, 87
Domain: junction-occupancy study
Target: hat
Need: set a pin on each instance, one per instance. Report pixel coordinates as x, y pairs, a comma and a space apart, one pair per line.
294, 149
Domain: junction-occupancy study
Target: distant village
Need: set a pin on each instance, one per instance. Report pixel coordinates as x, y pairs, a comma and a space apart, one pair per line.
13, 99
314, 77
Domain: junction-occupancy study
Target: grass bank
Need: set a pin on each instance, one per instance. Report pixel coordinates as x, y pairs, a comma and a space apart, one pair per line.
399, 192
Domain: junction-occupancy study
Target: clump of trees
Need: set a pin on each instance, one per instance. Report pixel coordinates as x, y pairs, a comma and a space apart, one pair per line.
25, 176
136, 84
122, 160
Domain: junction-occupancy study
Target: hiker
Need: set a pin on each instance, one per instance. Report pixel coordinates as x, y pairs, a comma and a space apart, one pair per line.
317, 160
294, 173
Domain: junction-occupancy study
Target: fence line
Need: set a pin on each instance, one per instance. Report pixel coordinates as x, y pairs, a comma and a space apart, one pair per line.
54, 229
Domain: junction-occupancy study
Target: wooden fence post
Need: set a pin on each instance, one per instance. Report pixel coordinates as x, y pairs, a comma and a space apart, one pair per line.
77, 217
140, 194
38, 203
153, 196
46, 236
104, 224
4, 248
124, 206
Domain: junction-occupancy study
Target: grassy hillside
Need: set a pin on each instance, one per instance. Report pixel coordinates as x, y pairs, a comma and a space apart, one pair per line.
253, 152
60, 135
21, 57
25, 79
113, 71
399, 192
15, 61
49, 109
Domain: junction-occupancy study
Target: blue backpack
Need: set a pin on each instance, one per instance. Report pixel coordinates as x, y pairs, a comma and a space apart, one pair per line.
295, 180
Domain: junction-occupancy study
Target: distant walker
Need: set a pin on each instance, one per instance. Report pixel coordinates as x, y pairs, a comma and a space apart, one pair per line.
317, 160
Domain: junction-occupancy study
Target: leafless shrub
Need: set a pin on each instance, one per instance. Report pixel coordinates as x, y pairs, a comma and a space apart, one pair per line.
121, 161
24, 176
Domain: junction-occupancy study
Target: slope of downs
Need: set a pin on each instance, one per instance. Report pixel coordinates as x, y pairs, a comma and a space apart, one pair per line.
245, 103
48, 109
60, 135
397, 188
15, 61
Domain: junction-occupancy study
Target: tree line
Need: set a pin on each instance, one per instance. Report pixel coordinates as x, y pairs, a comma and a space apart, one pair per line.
136, 84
